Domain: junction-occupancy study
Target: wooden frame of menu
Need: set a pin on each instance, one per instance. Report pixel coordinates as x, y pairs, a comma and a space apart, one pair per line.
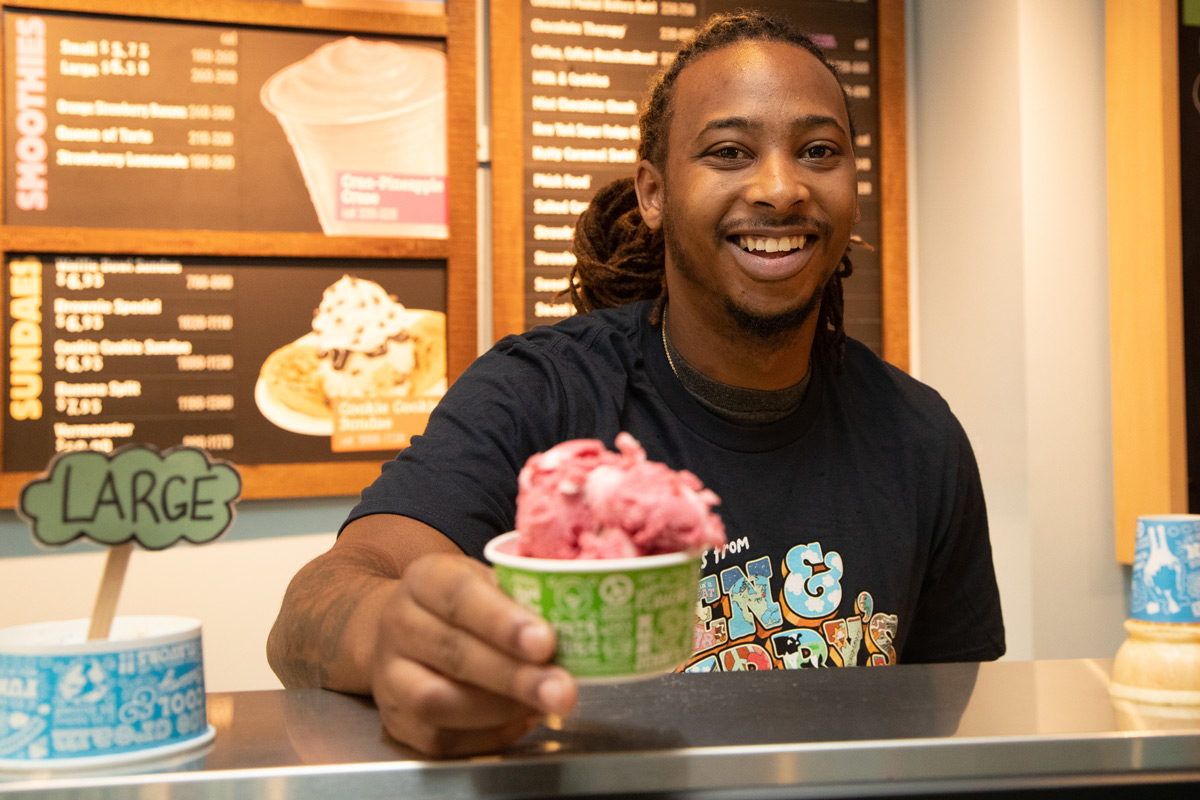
508, 219
1145, 265
456, 29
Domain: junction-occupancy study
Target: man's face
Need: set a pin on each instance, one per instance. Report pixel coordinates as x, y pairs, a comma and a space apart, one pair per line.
759, 191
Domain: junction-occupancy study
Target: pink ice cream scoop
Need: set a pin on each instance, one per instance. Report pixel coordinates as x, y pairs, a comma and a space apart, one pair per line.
581, 500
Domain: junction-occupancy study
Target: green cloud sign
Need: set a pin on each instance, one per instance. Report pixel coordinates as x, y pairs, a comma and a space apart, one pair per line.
136, 493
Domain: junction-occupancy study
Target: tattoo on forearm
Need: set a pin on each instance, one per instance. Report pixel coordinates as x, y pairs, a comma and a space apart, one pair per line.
311, 630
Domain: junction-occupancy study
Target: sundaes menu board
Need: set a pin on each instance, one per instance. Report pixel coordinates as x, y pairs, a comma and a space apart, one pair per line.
585, 68
121, 123
270, 360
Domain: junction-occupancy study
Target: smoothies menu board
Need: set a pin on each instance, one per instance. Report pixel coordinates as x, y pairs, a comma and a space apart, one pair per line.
585, 67
286, 360
124, 123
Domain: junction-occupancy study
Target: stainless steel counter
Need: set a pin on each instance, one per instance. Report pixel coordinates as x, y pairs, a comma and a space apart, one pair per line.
1017, 727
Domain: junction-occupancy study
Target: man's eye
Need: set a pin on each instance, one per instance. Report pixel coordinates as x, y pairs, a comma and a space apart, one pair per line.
819, 151
728, 152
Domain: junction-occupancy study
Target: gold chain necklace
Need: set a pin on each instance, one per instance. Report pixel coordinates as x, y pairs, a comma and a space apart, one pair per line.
666, 348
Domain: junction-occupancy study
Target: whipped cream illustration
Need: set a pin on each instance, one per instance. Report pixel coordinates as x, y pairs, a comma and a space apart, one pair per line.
351, 81
363, 345
357, 315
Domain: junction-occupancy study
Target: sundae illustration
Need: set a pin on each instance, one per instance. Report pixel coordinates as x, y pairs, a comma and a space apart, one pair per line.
364, 344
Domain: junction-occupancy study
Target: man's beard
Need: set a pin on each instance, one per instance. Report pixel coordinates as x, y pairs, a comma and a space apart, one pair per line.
767, 328
772, 328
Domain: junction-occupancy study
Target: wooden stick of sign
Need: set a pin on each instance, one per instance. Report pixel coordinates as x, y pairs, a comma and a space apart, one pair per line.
105, 607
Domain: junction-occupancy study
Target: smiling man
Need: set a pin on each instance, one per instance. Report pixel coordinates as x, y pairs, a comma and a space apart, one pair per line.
712, 331
755, 190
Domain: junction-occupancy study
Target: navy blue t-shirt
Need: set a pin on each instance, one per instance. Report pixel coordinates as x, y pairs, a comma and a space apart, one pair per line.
856, 525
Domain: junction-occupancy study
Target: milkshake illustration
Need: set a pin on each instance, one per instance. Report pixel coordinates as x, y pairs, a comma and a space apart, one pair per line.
367, 123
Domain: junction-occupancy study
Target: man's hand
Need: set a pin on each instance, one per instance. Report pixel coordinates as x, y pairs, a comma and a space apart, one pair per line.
460, 668
395, 610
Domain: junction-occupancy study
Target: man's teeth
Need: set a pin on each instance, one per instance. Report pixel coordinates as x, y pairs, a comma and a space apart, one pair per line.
771, 245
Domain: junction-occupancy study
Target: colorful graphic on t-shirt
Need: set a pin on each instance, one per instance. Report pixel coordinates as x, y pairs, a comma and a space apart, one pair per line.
748, 618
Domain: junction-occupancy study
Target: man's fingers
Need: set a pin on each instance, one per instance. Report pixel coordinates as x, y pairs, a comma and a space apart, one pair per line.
465, 659
465, 594
442, 718
458, 666
420, 693
445, 743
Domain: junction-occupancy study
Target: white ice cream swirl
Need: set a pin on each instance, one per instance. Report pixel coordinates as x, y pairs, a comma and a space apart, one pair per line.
352, 81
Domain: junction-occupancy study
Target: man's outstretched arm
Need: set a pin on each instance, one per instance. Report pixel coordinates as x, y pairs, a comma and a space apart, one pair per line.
396, 611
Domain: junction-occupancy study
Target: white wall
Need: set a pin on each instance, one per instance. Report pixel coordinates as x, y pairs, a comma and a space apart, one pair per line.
1010, 263
233, 585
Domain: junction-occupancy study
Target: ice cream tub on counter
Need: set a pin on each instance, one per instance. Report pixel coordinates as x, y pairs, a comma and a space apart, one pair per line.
67, 702
1156, 670
608, 549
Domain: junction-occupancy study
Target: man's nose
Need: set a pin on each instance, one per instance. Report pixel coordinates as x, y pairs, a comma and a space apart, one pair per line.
778, 181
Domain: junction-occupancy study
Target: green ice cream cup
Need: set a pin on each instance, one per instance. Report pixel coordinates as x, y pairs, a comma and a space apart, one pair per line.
616, 619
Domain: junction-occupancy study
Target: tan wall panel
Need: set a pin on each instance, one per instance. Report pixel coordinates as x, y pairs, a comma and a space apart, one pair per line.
1145, 265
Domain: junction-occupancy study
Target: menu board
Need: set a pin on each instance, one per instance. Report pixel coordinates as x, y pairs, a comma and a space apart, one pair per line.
399, 6
227, 225
1189, 166
131, 123
307, 361
585, 68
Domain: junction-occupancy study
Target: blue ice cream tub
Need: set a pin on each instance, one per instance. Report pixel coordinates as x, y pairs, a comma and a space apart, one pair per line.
1165, 583
70, 703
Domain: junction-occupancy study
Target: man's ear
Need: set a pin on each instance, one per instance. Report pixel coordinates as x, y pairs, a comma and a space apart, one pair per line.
649, 185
